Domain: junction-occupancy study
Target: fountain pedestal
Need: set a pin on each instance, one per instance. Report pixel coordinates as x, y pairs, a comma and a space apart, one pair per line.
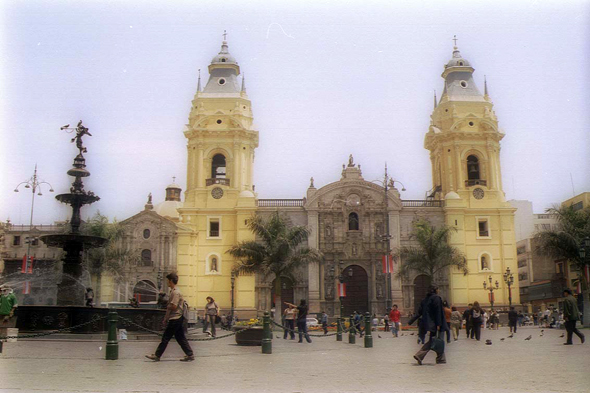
70, 291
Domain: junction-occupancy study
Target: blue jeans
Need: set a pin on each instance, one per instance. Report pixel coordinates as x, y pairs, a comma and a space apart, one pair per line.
290, 323
394, 328
302, 328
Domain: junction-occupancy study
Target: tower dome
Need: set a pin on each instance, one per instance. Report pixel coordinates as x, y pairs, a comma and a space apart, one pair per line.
169, 208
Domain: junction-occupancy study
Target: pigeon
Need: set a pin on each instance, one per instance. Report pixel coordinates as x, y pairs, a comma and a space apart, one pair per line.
488, 342
502, 339
411, 334
278, 336
542, 330
64, 127
528, 338
562, 335
511, 335
379, 335
541, 335
401, 334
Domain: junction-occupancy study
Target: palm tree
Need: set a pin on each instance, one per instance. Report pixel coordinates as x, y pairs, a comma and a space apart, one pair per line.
432, 254
564, 242
111, 258
277, 252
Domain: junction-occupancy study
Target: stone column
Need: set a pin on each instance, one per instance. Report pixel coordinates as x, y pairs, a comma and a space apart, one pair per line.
396, 282
313, 269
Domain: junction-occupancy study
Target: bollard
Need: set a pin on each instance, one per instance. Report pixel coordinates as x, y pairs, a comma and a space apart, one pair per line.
339, 322
352, 331
112, 351
368, 335
266, 334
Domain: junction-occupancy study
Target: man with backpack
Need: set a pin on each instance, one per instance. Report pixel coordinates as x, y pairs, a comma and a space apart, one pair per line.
176, 314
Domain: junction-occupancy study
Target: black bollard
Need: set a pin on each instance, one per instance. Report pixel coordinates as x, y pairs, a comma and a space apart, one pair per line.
368, 335
352, 331
112, 350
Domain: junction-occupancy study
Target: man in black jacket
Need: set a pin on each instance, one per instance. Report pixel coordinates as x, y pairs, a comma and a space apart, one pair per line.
467, 318
434, 322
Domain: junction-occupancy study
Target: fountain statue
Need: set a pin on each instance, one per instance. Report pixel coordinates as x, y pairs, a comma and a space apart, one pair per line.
69, 291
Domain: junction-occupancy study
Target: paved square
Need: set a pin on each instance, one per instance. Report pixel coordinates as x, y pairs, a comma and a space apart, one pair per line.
542, 364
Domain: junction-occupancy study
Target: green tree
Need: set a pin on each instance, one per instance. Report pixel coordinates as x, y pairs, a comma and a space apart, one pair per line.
113, 257
277, 252
564, 243
432, 254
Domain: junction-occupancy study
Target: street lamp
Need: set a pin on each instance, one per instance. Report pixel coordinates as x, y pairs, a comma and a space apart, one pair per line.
491, 289
387, 183
35, 185
233, 285
509, 280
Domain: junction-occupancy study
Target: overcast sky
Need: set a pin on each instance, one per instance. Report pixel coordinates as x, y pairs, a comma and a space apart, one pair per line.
326, 79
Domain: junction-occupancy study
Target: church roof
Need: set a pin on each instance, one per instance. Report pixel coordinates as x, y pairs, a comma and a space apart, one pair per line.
459, 83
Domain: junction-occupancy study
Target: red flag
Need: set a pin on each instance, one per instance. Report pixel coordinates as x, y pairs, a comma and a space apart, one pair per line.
24, 266
30, 266
26, 287
341, 289
387, 262
491, 297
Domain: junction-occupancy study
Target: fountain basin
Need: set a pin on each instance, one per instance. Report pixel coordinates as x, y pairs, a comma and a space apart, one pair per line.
38, 318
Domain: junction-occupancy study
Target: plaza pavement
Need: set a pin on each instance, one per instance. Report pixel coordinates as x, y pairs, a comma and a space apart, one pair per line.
542, 364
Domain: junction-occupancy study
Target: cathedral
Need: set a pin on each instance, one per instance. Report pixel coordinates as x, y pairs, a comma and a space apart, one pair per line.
353, 222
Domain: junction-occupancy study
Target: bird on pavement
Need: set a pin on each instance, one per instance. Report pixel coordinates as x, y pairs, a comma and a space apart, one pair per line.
502, 339
411, 334
541, 335
511, 335
379, 335
562, 335
64, 127
278, 336
488, 342
528, 338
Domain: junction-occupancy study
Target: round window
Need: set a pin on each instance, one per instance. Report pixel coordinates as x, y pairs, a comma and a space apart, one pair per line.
219, 121
221, 81
146, 233
463, 84
470, 124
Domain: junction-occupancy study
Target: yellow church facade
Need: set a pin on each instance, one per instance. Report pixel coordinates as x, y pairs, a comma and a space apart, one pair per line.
467, 194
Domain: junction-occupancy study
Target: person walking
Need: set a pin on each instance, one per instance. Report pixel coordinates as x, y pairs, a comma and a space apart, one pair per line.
375, 323
8, 305
433, 320
394, 318
386, 323
512, 319
476, 318
211, 313
173, 321
289, 315
448, 313
302, 310
455, 322
467, 318
324, 322
571, 315
357, 324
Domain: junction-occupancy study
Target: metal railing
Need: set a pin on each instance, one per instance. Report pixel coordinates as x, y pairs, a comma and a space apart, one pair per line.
423, 203
40, 228
280, 202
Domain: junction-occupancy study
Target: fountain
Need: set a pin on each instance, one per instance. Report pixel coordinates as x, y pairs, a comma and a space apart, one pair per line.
70, 310
69, 292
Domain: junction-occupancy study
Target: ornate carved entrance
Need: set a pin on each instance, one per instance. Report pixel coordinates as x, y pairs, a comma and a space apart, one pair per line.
357, 290
421, 284
286, 293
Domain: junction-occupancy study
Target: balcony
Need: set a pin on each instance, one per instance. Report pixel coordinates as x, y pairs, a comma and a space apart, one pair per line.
475, 182
280, 202
217, 180
423, 203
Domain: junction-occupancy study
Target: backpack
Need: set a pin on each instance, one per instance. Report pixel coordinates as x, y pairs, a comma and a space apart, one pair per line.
185, 309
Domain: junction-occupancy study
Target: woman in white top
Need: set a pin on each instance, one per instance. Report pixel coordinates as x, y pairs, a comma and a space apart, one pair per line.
289, 314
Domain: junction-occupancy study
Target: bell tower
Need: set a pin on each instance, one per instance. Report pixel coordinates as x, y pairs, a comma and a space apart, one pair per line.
464, 144
219, 197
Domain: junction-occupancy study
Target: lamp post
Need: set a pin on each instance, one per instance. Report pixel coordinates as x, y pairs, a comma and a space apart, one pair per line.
233, 285
509, 280
35, 185
387, 182
585, 257
491, 289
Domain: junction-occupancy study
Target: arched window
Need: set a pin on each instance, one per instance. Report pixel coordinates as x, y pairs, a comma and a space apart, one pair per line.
353, 222
146, 257
218, 167
473, 168
485, 264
